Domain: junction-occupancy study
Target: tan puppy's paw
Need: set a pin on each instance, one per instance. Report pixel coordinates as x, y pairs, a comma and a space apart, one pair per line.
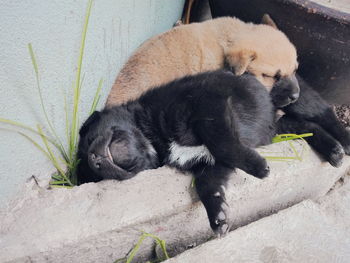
239, 59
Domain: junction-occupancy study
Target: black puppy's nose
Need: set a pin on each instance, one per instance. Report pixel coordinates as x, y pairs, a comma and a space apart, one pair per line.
294, 96
95, 160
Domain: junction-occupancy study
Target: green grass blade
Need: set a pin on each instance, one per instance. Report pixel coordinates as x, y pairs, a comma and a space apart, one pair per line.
135, 249
304, 142
62, 160
193, 182
291, 136
279, 158
73, 171
58, 182
53, 158
20, 125
70, 131
14, 123
67, 157
76, 97
120, 260
58, 143
36, 144
66, 116
160, 242
96, 97
81, 83
32, 56
57, 177
62, 186
51, 154
297, 156
288, 137
35, 66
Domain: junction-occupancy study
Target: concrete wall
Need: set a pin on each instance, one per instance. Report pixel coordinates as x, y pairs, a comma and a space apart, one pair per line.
54, 28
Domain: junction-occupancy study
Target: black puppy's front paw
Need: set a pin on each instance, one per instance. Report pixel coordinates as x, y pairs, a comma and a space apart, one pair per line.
336, 155
346, 143
263, 171
218, 213
258, 167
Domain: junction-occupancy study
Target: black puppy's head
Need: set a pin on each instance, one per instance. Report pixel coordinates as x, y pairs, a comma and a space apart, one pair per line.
111, 147
285, 90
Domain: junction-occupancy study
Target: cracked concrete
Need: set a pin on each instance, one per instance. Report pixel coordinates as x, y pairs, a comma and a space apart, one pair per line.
311, 231
101, 222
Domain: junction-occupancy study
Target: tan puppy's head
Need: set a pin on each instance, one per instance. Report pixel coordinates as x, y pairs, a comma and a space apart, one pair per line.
268, 55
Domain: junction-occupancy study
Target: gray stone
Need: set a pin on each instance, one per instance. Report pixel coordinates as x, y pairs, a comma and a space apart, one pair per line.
101, 222
311, 231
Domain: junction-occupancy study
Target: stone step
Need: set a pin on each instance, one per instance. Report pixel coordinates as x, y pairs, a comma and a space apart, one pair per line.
311, 231
101, 222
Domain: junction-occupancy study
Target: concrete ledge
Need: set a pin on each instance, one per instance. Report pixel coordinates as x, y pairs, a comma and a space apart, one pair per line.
307, 232
102, 222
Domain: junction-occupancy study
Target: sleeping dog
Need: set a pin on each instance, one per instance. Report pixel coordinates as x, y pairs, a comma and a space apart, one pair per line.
262, 50
207, 124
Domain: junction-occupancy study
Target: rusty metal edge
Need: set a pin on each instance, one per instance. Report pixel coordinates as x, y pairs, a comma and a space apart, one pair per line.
318, 9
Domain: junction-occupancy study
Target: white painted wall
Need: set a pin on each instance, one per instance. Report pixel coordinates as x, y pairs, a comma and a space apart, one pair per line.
54, 28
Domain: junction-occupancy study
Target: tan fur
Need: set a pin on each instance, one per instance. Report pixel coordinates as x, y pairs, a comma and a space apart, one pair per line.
188, 49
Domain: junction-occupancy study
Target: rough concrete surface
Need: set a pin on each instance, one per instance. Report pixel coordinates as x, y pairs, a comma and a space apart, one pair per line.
101, 222
311, 231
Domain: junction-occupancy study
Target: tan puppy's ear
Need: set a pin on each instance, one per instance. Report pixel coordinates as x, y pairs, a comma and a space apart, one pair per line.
267, 20
239, 60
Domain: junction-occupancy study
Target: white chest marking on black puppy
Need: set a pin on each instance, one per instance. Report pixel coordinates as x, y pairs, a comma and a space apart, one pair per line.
182, 154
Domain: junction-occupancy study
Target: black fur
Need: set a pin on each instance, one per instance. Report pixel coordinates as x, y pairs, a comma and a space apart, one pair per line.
285, 91
227, 114
310, 113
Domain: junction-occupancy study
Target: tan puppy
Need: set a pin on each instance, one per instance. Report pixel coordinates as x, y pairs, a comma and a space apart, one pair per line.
261, 50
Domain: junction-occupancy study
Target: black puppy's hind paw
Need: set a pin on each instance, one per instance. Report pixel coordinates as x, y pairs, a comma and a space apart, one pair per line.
219, 223
336, 156
218, 214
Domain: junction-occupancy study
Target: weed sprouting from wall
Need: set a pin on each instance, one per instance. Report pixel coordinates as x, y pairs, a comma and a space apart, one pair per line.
62, 156
132, 253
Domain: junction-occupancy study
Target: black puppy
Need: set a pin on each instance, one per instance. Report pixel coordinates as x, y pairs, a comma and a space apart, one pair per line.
310, 113
207, 124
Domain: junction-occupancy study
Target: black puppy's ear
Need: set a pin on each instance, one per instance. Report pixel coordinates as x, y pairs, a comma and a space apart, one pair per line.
95, 116
267, 20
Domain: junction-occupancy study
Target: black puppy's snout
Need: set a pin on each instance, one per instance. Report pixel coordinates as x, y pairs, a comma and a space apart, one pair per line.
294, 96
95, 160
